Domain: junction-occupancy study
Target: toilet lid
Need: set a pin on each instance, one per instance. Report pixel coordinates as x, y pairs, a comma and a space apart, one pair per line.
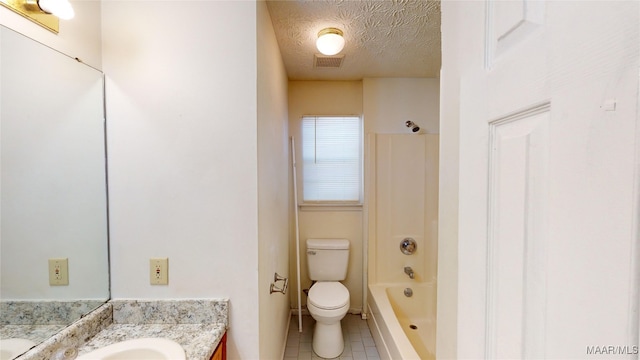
328, 295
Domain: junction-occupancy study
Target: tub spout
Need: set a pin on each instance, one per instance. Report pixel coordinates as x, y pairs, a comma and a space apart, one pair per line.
409, 271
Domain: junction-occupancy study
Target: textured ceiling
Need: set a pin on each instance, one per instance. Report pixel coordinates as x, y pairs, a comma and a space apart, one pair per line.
384, 38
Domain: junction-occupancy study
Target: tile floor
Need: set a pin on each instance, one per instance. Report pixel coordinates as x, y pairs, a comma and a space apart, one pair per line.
358, 343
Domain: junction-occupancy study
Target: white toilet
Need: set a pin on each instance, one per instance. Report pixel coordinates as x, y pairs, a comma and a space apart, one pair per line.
328, 300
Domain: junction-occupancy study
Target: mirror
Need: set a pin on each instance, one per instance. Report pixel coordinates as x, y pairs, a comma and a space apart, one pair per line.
53, 192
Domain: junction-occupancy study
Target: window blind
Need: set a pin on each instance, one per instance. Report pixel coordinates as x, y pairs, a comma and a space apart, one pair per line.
332, 159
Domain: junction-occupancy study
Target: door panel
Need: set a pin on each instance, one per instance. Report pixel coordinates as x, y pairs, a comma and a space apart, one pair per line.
509, 23
548, 117
517, 215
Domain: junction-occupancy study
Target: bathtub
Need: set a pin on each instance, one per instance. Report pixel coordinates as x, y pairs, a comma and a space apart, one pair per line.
403, 327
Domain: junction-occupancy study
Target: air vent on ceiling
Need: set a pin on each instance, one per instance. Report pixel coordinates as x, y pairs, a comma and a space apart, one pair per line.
321, 61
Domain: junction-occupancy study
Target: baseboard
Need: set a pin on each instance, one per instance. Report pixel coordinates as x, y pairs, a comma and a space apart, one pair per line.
286, 337
295, 311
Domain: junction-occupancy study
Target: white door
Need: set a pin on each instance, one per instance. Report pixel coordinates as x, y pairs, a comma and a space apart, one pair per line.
548, 178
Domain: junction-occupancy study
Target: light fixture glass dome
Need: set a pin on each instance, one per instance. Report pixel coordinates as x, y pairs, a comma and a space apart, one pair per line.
59, 8
330, 41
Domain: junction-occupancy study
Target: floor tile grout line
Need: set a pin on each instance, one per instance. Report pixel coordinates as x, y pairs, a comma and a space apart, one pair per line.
358, 340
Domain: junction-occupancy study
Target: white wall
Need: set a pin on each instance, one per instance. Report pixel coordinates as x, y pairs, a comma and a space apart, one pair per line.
273, 188
183, 164
326, 98
79, 37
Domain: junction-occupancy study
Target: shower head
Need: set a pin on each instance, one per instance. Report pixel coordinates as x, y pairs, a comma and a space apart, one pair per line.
414, 128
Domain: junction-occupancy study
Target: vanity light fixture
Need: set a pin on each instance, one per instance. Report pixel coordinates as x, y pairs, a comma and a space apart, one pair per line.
330, 41
45, 13
60, 8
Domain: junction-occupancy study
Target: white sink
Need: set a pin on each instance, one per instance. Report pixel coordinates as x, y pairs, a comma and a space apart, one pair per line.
12, 348
146, 348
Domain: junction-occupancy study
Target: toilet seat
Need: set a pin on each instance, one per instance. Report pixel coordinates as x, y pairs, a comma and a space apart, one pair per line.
328, 295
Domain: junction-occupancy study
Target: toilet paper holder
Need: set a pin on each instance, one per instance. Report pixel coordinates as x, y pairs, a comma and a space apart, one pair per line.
278, 278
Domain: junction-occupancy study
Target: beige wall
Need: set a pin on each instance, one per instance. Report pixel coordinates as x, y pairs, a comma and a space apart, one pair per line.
273, 188
401, 195
385, 104
389, 102
326, 98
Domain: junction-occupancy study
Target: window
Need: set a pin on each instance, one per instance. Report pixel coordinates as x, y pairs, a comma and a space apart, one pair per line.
332, 159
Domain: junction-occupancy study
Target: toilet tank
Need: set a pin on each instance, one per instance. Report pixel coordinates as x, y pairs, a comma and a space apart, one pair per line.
327, 259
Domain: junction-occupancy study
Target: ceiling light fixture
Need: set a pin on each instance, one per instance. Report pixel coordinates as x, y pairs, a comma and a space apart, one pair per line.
330, 41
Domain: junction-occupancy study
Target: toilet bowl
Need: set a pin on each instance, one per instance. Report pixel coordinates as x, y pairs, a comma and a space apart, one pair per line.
328, 303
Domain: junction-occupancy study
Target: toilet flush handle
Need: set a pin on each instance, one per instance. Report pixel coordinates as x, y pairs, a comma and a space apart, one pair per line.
311, 252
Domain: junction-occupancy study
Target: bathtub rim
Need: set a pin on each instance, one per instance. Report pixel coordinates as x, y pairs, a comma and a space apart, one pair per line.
389, 326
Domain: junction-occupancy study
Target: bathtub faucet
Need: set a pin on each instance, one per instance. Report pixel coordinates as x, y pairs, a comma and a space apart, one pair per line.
409, 271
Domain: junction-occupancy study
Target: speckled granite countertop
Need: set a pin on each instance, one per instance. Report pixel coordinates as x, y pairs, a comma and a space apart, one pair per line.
35, 333
197, 325
45, 312
74, 335
198, 340
39, 320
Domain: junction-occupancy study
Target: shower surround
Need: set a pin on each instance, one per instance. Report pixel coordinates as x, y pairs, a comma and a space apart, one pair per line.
403, 203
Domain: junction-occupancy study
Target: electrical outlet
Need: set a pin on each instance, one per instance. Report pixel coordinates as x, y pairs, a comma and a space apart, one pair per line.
159, 271
58, 271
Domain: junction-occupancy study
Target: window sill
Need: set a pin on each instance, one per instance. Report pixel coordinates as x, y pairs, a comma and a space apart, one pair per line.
330, 207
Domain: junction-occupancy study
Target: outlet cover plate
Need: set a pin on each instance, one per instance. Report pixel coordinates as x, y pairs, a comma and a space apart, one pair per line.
159, 271
58, 271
